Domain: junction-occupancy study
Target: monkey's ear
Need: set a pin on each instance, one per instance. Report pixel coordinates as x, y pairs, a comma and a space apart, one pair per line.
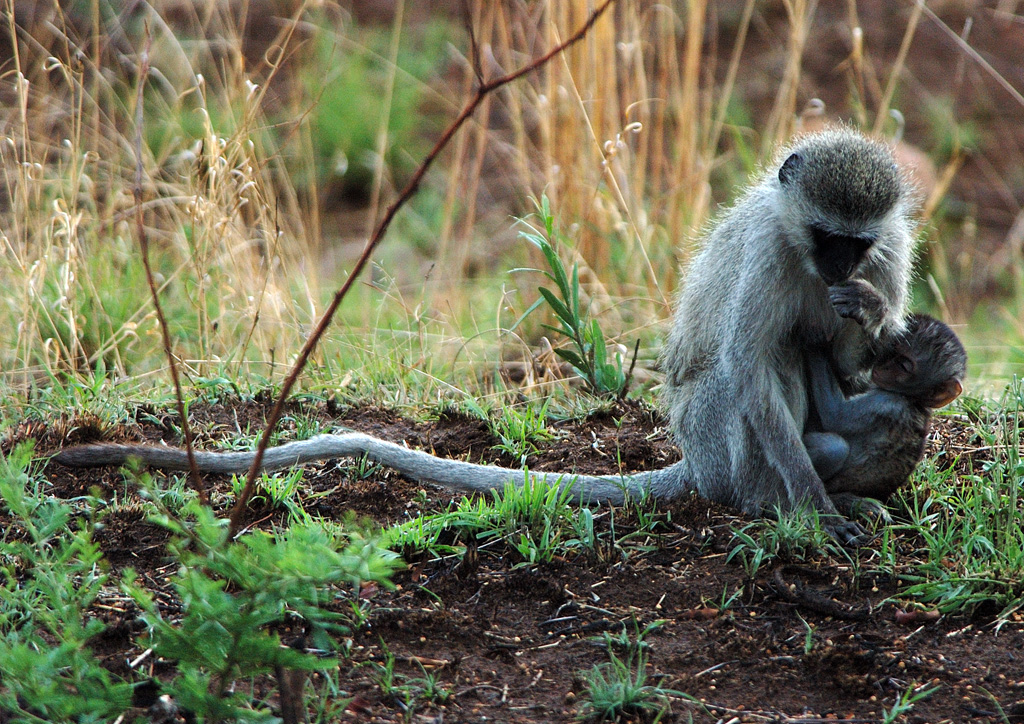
790, 167
945, 393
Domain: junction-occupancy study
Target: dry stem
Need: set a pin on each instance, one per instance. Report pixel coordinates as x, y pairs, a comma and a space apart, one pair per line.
197, 481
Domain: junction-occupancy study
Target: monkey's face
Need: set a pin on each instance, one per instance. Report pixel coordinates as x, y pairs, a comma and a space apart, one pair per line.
837, 256
896, 372
927, 365
906, 375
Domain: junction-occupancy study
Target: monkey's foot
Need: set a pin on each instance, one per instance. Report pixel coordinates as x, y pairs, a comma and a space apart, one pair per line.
847, 533
855, 506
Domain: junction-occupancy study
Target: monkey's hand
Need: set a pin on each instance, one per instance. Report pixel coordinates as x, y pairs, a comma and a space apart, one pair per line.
858, 300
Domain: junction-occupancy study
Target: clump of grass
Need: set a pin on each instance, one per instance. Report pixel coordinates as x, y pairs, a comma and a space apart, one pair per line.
521, 429
409, 693
277, 491
971, 527
537, 521
790, 535
620, 687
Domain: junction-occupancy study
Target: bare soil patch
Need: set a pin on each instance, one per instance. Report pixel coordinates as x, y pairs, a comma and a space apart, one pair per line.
510, 641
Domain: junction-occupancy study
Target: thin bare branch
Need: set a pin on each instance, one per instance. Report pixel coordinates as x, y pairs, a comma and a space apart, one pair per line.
973, 54
474, 49
378, 234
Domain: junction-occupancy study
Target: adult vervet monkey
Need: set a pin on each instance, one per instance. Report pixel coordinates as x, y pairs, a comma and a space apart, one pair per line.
834, 208
756, 297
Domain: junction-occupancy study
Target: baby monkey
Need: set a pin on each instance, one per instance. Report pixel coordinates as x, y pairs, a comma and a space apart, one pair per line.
869, 443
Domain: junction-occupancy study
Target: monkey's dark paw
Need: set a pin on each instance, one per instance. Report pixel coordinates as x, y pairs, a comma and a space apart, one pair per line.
845, 532
858, 300
855, 506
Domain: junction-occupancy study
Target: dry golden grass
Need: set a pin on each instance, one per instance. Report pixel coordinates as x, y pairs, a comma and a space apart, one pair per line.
627, 133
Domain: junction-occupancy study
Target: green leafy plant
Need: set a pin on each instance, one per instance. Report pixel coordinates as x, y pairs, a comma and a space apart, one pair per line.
233, 597
51, 576
589, 357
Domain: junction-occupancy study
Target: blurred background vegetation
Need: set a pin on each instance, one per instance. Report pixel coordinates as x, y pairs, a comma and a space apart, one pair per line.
275, 132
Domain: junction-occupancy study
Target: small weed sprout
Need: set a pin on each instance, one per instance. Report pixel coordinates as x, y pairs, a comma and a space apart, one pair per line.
906, 702
789, 536
808, 635
589, 356
631, 644
648, 518
406, 691
330, 698
385, 676
521, 429
430, 688
725, 599
583, 534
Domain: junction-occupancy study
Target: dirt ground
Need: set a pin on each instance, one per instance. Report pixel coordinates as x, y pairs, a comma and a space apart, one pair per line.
510, 641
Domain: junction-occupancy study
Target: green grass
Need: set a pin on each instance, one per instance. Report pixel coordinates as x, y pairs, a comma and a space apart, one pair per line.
621, 688
970, 526
787, 536
534, 521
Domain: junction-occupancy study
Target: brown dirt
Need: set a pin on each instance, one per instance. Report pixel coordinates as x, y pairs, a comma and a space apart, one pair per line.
510, 641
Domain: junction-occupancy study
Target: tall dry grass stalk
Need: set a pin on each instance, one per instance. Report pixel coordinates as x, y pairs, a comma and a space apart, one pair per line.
623, 135
229, 234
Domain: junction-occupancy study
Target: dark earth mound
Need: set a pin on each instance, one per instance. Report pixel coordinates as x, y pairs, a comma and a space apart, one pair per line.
801, 641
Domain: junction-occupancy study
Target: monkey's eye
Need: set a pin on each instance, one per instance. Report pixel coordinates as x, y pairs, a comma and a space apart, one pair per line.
906, 364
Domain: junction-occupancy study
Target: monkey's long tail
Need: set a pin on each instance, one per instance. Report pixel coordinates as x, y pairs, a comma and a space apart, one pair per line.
662, 484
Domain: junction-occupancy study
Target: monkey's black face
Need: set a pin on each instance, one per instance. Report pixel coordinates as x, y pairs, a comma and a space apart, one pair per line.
836, 256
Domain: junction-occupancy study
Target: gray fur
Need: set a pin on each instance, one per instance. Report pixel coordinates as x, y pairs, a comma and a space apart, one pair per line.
753, 302
417, 465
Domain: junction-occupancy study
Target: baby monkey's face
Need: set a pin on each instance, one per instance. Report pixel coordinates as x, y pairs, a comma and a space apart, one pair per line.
906, 374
